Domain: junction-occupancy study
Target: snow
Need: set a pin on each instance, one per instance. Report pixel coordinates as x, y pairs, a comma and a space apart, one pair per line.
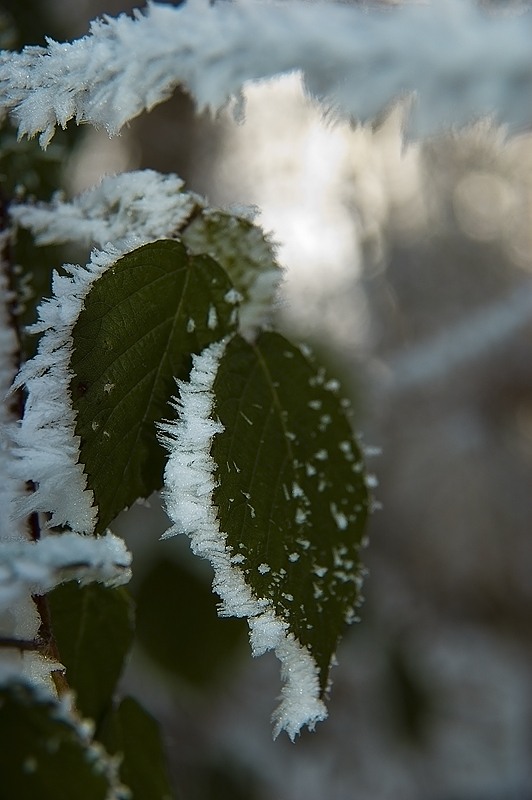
212, 50
188, 493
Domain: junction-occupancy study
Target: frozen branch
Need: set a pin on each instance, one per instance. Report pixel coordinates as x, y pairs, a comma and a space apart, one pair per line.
37, 567
461, 61
128, 210
10, 486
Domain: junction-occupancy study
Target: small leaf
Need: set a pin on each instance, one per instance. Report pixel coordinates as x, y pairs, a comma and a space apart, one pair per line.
247, 256
289, 489
43, 755
131, 731
93, 627
142, 320
196, 646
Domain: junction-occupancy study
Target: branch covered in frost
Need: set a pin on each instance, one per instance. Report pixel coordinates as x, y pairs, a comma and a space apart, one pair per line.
189, 485
128, 210
461, 61
46, 449
37, 567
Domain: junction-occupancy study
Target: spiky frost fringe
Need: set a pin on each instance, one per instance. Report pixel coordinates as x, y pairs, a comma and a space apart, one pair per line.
46, 448
189, 485
63, 709
37, 567
139, 207
128, 209
213, 49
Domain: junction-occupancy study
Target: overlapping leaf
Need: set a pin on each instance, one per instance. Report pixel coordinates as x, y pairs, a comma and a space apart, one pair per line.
131, 732
93, 627
142, 320
44, 755
247, 256
199, 645
290, 488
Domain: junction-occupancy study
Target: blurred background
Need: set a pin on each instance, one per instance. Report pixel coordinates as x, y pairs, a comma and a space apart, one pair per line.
408, 268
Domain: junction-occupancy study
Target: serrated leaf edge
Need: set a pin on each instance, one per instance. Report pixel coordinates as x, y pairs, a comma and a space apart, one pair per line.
63, 710
188, 494
46, 449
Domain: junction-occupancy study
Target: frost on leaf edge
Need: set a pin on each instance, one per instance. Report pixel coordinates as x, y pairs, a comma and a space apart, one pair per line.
189, 485
134, 208
46, 449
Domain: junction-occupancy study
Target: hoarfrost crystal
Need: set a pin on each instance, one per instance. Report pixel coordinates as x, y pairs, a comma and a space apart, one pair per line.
188, 492
135, 208
212, 50
37, 567
46, 449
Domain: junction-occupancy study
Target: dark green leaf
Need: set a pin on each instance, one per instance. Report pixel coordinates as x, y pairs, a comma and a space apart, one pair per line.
93, 627
196, 645
142, 320
43, 755
131, 731
290, 489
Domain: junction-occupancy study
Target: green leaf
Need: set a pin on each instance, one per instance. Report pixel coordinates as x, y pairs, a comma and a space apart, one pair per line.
290, 488
247, 256
44, 755
142, 320
196, 646
93, 628
131, 731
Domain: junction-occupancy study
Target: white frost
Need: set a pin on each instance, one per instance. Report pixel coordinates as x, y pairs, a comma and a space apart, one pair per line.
135, 208
356, 57
128, 210
36, 567
46, 450
189, 485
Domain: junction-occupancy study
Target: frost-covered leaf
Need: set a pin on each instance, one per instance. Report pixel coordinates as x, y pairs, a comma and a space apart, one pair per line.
133, 733
264, 435
290, 491
196, 646
246, 255
93, 628
141, 321
47, 754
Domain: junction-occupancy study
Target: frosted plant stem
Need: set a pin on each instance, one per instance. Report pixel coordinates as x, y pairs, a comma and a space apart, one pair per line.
354, 57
